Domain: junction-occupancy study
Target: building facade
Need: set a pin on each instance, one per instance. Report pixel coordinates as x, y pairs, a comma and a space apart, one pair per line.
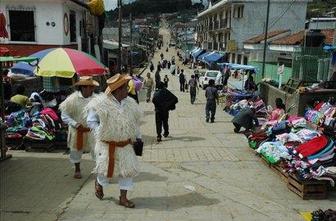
34, 25
227, 24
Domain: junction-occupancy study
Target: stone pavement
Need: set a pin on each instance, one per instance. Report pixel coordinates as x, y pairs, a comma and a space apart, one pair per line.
202, 172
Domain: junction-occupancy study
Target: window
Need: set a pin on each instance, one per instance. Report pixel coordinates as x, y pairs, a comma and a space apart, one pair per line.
22, 26
239, 59
245, 60
238, 11
73, 37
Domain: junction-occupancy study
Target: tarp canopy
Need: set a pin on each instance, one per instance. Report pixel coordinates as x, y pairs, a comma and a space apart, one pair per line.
237, 66
17, 59
213, 57
201, 58
197, 53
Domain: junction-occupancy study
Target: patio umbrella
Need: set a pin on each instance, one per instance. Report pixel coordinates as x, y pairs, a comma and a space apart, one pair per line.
62, 62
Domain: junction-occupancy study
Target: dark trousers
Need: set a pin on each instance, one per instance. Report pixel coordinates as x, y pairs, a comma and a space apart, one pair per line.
238, 127
161, 119
192, 95
182, 86
210, 110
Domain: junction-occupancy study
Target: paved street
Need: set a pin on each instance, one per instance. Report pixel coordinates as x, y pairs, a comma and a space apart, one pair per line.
202, 171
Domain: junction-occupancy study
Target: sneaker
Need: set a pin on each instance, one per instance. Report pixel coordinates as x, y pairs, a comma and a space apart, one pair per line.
212, 121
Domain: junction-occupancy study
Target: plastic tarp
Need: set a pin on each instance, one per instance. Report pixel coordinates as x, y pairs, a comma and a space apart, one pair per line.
197, 53
201, 58
237, 66
213, 57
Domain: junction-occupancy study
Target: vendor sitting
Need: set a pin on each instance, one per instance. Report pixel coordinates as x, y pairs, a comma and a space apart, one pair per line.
279, 110
245, 118
19, 97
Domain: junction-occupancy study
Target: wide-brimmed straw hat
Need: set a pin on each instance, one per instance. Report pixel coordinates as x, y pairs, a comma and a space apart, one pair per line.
116, 81
86, 81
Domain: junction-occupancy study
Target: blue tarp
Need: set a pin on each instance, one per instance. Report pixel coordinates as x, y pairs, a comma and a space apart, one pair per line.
213, 57
197, 53
237, 66
201, 58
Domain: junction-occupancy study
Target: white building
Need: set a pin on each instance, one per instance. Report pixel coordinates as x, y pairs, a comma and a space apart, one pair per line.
322, 23
227, 24
35, 25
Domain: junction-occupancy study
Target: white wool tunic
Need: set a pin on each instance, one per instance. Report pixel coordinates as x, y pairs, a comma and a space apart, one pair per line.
73, 107
116, 121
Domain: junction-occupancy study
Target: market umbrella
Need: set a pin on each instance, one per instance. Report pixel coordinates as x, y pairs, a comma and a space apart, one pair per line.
62, 62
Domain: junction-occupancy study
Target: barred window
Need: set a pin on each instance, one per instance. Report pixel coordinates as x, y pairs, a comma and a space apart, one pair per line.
22, 25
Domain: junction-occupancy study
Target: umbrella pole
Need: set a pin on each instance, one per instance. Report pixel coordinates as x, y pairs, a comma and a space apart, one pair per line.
3, 149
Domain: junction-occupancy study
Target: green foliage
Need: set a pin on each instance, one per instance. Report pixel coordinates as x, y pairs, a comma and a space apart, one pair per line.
318, 8
143, 7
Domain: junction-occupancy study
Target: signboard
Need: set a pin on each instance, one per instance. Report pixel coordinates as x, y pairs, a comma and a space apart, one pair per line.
281, 69
231, 46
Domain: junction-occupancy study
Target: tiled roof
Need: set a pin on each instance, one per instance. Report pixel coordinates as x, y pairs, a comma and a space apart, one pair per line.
297, 38
259, 38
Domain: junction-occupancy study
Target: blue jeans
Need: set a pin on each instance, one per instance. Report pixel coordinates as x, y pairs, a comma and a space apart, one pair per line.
210, 110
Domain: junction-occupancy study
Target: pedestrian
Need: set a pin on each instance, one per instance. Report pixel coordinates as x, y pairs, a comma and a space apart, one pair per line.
7, 85
178, 71
211, 95
182, 81
157, 78
115, 120
151, 67
250, 85
164, 101
149, 85
245, 118
132, 92
165, 81
80, 139
226, 76
161, 56
168, 64
193, 87
158, 67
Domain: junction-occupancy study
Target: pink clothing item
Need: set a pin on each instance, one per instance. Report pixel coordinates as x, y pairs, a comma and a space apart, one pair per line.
50, 112
276, 114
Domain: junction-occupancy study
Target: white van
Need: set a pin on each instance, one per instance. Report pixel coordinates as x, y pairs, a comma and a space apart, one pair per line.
211, 74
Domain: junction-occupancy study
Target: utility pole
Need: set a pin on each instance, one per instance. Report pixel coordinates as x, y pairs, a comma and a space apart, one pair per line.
265, 39
131, 44
120, 35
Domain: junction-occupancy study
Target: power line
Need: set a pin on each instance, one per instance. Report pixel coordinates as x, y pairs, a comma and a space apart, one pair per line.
282, 14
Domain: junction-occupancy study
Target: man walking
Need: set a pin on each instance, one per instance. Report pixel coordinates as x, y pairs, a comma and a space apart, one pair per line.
80, 139
115, 118
182, 81
149, 85
211, 95
164, 101
192, 88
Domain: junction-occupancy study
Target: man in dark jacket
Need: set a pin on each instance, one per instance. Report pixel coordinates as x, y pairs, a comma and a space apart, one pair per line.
182, 81
245, 118
211, 95
164, 101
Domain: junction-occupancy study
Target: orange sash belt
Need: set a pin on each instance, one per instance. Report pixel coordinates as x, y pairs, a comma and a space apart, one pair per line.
112, 147
80, 137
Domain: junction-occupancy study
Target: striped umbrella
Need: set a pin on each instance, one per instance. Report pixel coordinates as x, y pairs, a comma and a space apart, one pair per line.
62, 62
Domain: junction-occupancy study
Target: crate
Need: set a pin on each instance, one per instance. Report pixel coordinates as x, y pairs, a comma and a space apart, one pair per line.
276, 168
308, 189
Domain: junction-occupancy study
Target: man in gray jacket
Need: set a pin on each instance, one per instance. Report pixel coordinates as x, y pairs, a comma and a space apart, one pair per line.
245, 118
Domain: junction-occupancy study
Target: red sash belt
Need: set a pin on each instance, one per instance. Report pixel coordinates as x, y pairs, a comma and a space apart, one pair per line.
112, 147
80, 137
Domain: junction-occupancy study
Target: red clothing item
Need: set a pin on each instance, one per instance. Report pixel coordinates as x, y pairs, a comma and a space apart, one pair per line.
311, 147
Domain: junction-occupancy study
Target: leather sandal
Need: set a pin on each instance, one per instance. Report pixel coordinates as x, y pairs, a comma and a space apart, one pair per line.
99, 190
127, 203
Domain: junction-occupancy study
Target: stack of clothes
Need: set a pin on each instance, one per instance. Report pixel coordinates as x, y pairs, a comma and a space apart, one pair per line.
39, 126
323, 114
308, 153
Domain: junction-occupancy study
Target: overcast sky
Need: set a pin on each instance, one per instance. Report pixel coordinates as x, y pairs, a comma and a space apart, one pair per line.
111, 4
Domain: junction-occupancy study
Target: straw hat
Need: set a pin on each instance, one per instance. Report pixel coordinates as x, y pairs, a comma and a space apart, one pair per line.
86, 81
116, 81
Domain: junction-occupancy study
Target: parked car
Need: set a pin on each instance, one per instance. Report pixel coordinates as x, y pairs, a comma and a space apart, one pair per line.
211, 74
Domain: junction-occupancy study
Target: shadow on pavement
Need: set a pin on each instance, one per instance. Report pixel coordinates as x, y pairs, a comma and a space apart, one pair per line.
164, 203
187, 138
33, 186
145, 176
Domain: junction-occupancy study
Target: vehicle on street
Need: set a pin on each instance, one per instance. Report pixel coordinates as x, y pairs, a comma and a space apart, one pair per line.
211, 74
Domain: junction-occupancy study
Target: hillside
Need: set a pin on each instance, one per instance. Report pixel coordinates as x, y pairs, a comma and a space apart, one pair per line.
319, 8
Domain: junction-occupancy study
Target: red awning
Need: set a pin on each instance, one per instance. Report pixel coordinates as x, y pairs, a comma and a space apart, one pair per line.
4, 51
3, 30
